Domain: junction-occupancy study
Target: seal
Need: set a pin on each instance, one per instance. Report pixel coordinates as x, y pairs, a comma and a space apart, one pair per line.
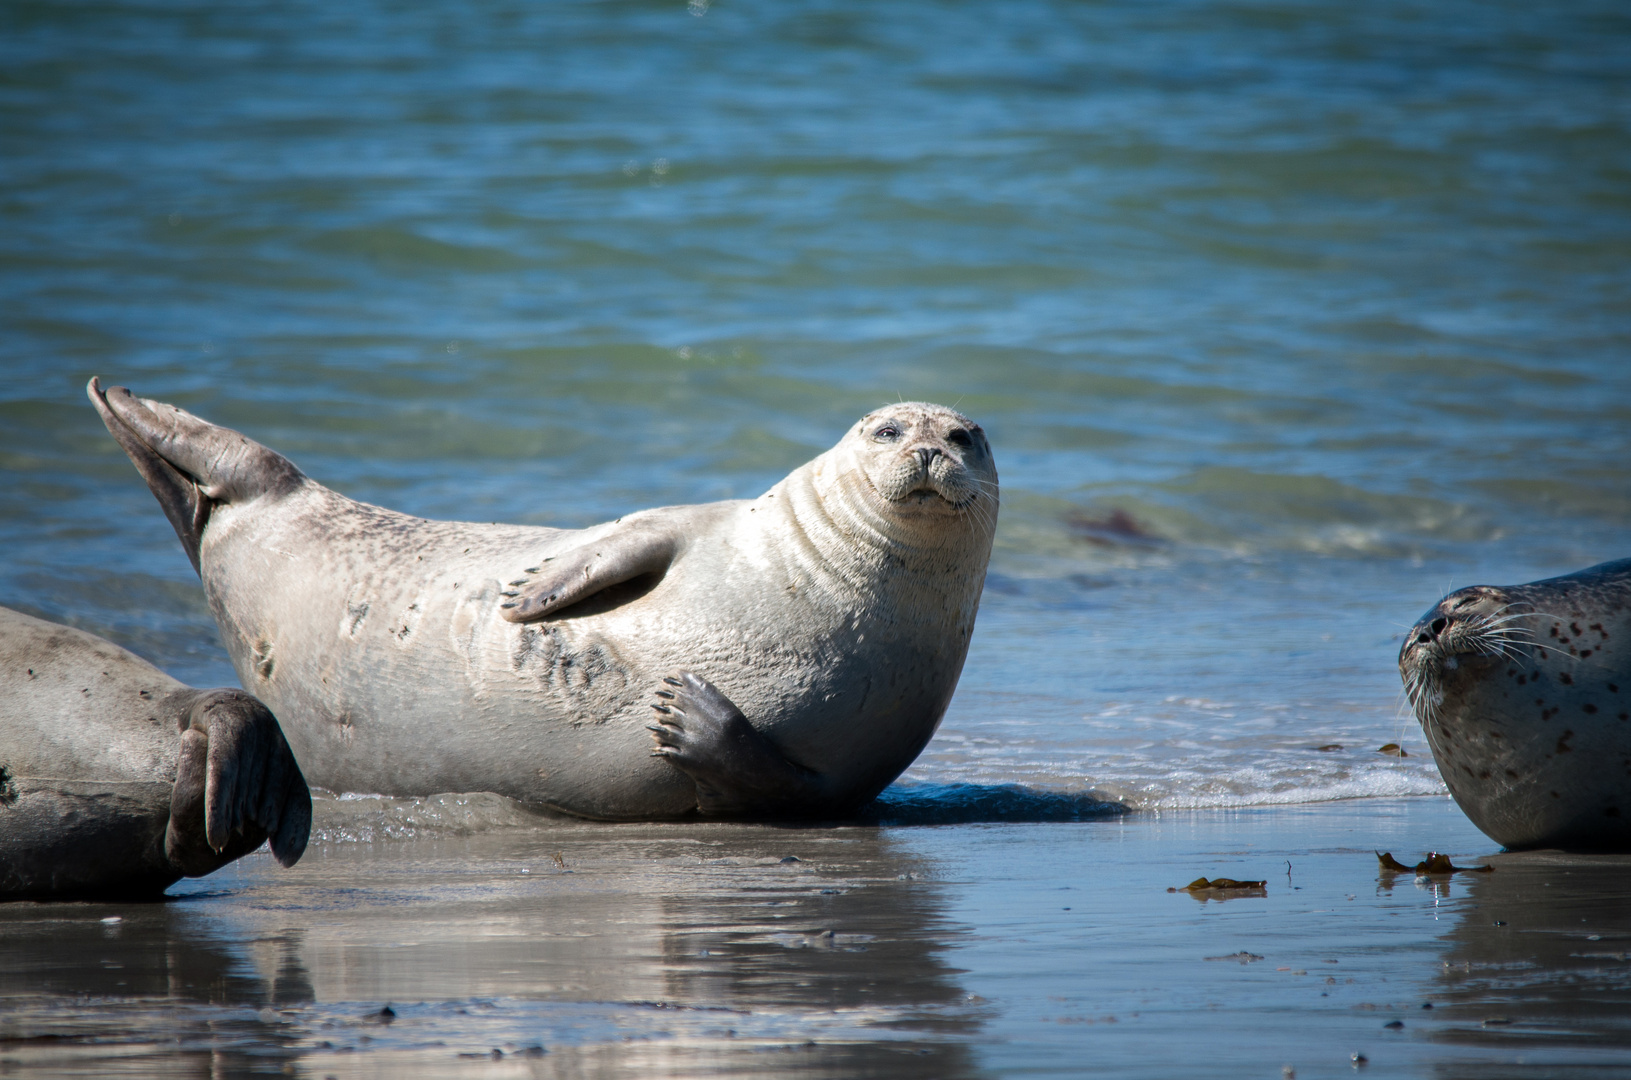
1524, 693
799, 649
117, 780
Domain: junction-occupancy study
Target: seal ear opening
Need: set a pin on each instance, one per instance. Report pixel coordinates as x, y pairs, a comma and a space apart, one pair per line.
183, 503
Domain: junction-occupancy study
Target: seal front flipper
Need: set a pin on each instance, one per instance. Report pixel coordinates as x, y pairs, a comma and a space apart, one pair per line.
237, 786
635, 546
190, 464
738, 772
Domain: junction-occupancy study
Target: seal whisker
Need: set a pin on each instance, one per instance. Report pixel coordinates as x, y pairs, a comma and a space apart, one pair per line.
984, 515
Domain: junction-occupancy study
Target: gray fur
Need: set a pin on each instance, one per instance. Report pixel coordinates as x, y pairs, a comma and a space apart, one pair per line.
1524, 693
116, 780
408, 657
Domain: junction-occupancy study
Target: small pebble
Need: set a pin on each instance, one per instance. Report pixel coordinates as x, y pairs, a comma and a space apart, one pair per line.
1394, 1024
112, 919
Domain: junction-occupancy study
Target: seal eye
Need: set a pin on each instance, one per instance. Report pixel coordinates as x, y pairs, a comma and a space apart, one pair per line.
887, 433
960, 437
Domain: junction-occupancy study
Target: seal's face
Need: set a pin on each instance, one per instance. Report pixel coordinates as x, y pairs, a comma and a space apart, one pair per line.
1473, 624
922, 458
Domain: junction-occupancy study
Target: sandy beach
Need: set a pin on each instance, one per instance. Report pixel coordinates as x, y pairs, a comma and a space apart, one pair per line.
564, 949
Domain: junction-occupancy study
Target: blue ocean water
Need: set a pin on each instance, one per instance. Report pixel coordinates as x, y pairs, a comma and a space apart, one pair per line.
1283, 317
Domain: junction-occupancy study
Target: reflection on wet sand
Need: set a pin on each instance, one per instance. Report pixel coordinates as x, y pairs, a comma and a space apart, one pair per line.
85, 986
563, 950
1541, 955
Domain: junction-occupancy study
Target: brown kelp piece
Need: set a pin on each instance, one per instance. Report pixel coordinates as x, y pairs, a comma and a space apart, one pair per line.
1223, 884
1435, 863
1392, 749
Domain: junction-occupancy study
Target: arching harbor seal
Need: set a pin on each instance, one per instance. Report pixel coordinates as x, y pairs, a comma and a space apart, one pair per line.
116, 780
1524, 692
799, 648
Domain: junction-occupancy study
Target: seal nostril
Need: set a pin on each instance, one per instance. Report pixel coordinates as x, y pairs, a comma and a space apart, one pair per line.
927, 454
1439, 625
1423, 639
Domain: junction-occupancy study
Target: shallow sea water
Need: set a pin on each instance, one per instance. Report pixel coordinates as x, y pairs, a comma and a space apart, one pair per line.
1283, 318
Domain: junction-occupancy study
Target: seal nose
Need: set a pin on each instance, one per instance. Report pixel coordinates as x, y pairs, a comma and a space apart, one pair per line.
926, 455
1434, 629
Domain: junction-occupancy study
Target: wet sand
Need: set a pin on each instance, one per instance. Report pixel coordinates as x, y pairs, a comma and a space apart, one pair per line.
564, 949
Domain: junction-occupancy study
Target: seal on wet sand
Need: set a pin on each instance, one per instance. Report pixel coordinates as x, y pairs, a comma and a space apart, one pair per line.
116, 780
799, 649
1524, 693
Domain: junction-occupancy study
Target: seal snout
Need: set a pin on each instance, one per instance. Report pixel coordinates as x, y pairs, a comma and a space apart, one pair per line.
1426, 633
1477, 622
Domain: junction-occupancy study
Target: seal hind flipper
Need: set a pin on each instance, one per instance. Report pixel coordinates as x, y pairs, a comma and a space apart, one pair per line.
237, 785
639, 545
178, 494
188, 463
738, 772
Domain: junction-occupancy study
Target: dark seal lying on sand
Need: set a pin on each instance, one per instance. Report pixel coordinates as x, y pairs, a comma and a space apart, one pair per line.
799, 649
116, 780
1524, 693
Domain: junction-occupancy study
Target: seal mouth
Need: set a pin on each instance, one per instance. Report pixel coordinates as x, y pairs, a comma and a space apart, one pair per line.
928, 492
928, 495
924, 477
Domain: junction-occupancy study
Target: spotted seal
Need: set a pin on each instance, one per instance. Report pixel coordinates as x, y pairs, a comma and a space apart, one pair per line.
1524, 693
787, 655
117, 780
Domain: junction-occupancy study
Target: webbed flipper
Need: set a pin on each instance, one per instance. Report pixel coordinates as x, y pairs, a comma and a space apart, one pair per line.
738, 772
639, 545
188, 463
237, 785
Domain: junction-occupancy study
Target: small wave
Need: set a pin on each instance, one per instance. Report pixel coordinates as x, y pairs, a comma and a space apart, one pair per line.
1380, 784
969, 804
351, 818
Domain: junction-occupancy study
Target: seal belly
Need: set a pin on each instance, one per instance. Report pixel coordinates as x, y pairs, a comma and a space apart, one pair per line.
379, 636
